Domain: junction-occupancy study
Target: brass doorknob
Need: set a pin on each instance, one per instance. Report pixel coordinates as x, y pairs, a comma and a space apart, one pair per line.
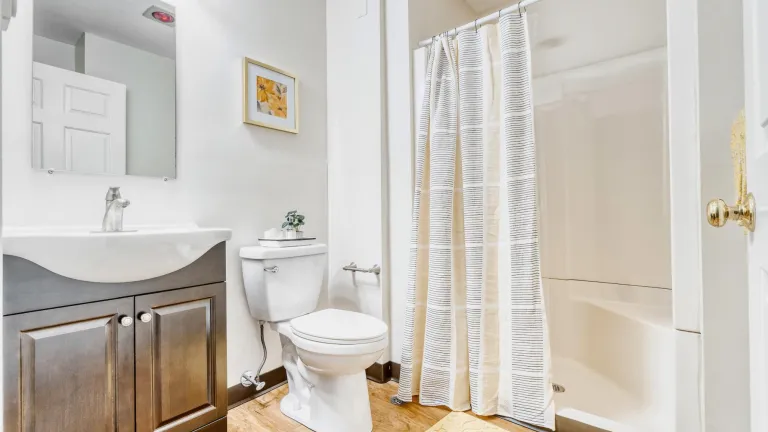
718, 213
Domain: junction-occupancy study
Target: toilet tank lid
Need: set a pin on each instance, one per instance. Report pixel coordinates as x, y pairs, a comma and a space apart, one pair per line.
261, 253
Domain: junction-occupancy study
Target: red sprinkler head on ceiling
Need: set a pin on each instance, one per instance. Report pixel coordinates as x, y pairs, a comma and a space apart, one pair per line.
163, 17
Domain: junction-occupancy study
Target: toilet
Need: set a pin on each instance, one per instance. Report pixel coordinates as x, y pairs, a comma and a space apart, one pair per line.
325, 353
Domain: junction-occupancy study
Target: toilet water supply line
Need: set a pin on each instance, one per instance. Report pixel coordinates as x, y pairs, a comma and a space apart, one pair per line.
248, 378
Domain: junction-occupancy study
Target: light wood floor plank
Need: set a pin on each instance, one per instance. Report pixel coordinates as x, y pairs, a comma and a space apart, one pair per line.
263, 414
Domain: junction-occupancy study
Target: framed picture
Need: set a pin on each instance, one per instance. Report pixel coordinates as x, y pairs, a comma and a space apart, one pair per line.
270, 97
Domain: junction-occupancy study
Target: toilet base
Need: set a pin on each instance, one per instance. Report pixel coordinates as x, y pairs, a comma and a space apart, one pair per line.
290, 407
324, 402
336, 404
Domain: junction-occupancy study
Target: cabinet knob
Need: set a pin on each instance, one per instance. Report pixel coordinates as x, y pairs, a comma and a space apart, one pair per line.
145, 317
126, 321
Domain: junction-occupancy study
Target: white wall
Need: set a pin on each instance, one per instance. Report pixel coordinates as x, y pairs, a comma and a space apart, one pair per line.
399, 171
430, 17
151, 99
53, 53
356, 187
229, 174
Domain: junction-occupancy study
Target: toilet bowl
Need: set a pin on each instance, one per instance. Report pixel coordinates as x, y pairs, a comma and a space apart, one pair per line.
326, 368
325, 353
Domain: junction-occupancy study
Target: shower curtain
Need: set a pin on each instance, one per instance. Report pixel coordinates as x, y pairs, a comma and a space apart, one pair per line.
475, 326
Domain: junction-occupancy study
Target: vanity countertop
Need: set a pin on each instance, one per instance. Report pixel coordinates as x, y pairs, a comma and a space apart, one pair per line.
137, 253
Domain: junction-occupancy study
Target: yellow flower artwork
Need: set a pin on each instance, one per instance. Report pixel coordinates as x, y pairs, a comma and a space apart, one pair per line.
272, 97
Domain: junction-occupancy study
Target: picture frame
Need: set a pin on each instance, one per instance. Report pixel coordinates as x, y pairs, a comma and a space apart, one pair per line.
270, 97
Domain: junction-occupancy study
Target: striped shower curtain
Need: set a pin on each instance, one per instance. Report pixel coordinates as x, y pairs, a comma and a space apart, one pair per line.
475, 326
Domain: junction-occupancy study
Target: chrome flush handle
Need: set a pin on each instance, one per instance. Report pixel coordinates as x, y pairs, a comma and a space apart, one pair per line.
272, 269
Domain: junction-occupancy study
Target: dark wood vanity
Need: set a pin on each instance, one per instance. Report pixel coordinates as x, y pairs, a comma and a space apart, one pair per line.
137, 356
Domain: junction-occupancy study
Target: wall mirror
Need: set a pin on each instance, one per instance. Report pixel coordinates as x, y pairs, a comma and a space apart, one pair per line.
104, 87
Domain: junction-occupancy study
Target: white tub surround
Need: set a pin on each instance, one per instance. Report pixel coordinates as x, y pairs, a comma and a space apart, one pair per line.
603, 144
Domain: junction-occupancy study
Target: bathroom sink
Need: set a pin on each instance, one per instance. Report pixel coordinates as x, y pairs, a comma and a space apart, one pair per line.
138, 253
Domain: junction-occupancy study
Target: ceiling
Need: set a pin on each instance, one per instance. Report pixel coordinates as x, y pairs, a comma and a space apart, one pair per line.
118, 20
567, 34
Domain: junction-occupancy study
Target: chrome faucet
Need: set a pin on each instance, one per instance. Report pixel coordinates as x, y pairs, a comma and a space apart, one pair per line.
113, 216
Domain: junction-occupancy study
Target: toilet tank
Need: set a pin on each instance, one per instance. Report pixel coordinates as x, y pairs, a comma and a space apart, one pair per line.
283, 283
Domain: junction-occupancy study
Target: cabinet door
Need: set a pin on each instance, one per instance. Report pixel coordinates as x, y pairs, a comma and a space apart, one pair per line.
181, 359
69, 369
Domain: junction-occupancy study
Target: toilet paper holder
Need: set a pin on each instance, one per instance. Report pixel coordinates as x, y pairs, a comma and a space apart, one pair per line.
354, 268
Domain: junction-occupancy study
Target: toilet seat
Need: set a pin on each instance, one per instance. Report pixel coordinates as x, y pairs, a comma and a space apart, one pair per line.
336, 342
338, 349
327, 332
339, 327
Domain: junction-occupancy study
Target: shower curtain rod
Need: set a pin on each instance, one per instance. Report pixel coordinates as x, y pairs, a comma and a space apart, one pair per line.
478, 22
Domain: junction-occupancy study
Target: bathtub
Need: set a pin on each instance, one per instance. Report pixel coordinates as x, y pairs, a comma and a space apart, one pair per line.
613, 351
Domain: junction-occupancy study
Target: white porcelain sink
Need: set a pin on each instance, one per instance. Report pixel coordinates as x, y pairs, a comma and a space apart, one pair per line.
139, 253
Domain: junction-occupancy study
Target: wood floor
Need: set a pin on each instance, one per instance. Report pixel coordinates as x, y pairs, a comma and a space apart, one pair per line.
263, 414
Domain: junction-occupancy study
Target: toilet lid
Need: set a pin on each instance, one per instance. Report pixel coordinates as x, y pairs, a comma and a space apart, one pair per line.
339, 327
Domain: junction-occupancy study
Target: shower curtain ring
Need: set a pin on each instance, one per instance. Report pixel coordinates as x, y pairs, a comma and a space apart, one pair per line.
519, 9
475, 26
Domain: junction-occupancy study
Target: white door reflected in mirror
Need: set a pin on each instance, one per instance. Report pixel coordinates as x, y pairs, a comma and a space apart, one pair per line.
78, 122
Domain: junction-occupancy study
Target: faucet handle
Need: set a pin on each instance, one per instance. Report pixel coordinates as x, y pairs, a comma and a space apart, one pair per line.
113, 193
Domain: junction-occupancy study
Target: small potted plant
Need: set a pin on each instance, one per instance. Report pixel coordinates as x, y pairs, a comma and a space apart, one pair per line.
292, 225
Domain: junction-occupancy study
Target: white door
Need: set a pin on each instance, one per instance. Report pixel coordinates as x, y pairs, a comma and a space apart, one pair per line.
78, 122
756, 79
